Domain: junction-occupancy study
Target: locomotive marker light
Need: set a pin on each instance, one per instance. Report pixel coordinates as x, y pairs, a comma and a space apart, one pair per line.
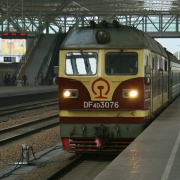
130, 93
71, 93
102, 36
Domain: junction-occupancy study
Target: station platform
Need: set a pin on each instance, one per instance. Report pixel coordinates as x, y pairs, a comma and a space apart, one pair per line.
154, 154
12, 95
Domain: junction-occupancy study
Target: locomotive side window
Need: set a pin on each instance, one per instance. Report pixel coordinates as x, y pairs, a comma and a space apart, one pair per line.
121, 63
84, 63
153, 63
146, 61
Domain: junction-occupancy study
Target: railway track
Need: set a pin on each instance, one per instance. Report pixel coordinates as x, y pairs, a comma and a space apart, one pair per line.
17, 132
9, 110
83, 167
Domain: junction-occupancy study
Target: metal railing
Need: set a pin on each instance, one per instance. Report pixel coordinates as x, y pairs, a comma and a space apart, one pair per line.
46, 62
25, 57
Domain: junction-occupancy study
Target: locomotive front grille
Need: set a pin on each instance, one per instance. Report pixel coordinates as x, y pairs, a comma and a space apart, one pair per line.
99, 145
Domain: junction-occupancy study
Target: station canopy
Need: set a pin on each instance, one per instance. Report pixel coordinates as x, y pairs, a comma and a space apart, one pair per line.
29, 15
32, 7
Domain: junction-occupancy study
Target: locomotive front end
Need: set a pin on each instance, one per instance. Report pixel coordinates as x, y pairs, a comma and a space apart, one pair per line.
104, 102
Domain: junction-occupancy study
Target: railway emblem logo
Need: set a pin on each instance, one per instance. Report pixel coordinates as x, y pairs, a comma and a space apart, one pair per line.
101, 88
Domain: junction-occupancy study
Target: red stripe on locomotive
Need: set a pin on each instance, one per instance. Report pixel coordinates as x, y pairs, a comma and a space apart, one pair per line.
124, 103
112, 120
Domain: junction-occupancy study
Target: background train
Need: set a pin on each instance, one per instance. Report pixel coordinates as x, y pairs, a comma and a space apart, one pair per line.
113, 80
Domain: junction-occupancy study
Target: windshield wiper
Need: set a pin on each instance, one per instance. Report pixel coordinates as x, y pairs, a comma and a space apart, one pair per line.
86, 62
117, 56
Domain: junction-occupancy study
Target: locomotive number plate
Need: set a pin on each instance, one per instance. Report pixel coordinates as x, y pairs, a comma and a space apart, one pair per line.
101, 105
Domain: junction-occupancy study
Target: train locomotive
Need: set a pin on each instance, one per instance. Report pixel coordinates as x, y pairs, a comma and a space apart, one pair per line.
113, 80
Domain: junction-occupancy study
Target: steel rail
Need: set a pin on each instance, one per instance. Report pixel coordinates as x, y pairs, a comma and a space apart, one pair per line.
64, 170
32, 131
13, 128
93, 161
14, 109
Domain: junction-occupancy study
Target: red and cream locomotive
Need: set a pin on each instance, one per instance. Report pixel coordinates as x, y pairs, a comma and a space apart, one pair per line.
113, 79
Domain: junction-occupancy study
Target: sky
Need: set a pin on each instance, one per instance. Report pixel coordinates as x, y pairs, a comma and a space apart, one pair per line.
171, 44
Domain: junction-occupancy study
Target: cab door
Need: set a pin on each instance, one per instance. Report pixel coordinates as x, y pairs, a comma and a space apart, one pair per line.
160, 81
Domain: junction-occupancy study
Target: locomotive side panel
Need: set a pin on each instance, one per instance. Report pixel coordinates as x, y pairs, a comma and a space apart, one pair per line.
174, 77
159, 82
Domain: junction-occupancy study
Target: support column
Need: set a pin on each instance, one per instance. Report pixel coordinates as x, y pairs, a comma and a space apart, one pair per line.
40, 24
160, 23
82, 18
32, 24
65, 23
143, 23
130, 20
47, 25
7, 17
177, 24
77, 19
126, 20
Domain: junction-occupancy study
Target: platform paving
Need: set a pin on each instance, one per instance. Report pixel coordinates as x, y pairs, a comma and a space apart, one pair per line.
6, 91
13, 95
154, 154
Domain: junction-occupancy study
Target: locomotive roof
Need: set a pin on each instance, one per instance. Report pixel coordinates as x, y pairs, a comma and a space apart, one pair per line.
172, 57
121, 36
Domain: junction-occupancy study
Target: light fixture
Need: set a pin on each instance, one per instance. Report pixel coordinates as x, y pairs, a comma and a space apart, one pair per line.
70, 93
67, 93
133, 93
130, 93
102, 36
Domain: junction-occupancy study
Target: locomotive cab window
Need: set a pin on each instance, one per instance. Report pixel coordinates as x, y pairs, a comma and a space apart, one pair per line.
83, 63
121, 63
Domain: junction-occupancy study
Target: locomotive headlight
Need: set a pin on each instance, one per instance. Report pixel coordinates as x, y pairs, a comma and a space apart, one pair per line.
70, 93
67, 93
133, 93
130, 93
